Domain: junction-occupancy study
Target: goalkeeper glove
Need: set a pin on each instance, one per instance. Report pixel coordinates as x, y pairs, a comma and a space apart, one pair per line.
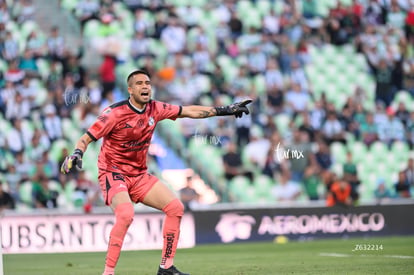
236, 109
74, 160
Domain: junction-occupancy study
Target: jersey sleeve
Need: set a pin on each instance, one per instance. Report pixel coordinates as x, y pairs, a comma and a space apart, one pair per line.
103, 125
167, 111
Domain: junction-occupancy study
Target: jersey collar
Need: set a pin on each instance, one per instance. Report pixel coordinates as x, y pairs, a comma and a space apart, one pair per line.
135, 109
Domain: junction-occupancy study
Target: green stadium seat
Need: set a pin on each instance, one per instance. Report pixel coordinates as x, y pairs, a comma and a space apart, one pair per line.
238, 185
400, 150
249, 195
25, 193
263, 185
379, 149
338, 151
69, 4
263, 7
56, 149
259, 83
91, 28
359, 151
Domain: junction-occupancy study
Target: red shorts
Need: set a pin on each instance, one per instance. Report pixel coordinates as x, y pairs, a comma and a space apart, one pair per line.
137, 186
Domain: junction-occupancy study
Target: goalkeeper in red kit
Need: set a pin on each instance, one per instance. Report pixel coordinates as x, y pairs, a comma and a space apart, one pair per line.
127, 128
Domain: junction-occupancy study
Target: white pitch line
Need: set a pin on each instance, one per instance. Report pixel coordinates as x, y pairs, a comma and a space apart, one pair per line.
399, 256
334, 255
340, 255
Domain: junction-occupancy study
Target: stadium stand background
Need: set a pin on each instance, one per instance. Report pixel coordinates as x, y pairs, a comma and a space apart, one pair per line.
301, 62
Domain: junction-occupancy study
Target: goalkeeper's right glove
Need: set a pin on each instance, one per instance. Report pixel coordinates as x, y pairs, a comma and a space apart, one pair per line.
236, 109
74, 160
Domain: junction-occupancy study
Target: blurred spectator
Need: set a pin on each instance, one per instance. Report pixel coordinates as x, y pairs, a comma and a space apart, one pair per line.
339, 194
232, 48
256, 151
54, 79
317, 115
369, 130
43, 196
52, 123
332, 129
410, 130
223, 35
347, 119
381, 192
307, 127
49, 166
300, 154
55, 44
256, 61
4, 12
141, 24
276, 159
107, 75
323, 156
402, 188
235, 24
28, 91
232, 163
13, 180
140, 46
14, 73
409, 23
350, 174
25, 10
297, 99
392, 129
36, 44
402, 113
188, 195
383, 77
395, 16
72, 67
286, 189
312, 181
271, 23
86, 10
243, 124
174, 36
27, 63
6, 200
18, 107
88, 192
18, 137
39, 144
409, 76
409, 172
23, 166
10, 47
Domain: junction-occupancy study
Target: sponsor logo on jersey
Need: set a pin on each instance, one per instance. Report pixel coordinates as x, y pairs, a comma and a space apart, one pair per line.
151, 121
127, 126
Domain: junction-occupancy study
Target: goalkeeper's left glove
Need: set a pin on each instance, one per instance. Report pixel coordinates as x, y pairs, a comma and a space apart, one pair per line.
74, 160
237, 109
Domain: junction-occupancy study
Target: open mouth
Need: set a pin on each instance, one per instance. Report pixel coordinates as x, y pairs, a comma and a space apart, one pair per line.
144, 94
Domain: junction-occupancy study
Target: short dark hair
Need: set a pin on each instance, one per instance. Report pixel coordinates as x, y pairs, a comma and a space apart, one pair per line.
137, 72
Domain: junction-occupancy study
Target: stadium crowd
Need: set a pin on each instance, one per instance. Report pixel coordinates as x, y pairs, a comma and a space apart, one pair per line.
182, 53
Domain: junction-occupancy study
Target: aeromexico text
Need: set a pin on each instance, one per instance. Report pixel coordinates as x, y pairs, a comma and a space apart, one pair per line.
328, 223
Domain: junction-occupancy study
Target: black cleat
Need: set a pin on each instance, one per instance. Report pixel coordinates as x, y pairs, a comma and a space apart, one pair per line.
170, 271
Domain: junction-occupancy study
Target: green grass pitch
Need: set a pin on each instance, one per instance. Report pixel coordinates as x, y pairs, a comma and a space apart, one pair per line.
309, 257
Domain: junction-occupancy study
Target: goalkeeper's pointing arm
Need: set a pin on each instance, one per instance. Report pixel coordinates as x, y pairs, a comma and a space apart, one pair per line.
236, 109
75, 160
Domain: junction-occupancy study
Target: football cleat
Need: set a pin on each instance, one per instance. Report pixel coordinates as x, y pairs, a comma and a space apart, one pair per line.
170, 271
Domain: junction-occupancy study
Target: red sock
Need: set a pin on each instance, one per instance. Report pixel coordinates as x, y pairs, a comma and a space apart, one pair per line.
124, 214
171, 231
